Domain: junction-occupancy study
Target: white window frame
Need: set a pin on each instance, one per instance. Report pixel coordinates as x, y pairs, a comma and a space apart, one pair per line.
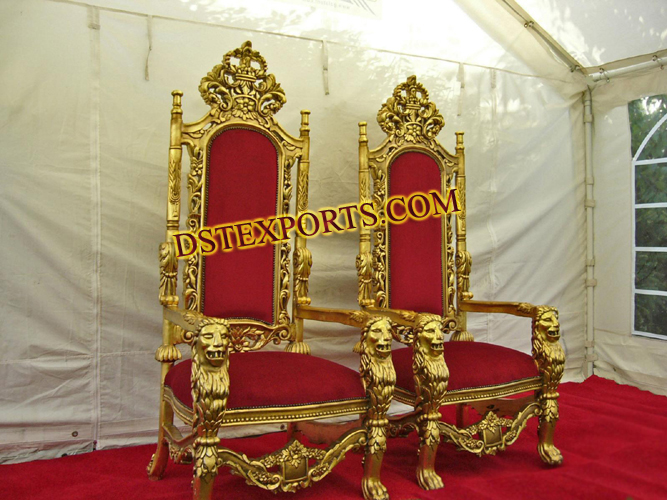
635, 249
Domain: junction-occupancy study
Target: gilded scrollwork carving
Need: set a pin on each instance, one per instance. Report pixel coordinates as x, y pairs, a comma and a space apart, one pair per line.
450, 268
302, 190
252, 337
464, 439
174, 195
493, 433
283, 315
303, 260
242, 335
463, 266
403, 333
364, 265
295, 466
180, 454
241, 87
193, 224
461, 215
379, 279
409, 115
168, 274
287, 180
550, 360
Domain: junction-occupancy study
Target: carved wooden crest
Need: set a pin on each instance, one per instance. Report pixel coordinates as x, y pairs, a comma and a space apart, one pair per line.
241, 87
409, 115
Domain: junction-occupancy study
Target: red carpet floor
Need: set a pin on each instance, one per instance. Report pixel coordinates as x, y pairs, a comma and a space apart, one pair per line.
613, 439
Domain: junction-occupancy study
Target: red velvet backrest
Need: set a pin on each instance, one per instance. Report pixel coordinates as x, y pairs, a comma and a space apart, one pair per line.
415, 247
242, 184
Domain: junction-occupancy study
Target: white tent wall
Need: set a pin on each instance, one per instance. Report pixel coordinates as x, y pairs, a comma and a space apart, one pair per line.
622, 356
84, 178
47, 267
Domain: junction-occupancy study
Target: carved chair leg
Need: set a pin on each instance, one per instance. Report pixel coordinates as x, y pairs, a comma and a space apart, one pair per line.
206, 466
158, 463
545, 432
429, 435
431, 378
160, 458
550, 361
379, 379
210, 390
371, 485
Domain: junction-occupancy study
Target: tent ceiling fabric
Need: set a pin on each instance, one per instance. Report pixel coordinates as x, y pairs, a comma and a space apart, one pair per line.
602, 31
424, 32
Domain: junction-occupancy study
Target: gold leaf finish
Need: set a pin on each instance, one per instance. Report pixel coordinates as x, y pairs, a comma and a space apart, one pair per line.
240, 87
364, 265
409, 115
411, 123
168, 274
431, 376
303, 260
210, 390
193, 223
550, 360
243, 95
379, 378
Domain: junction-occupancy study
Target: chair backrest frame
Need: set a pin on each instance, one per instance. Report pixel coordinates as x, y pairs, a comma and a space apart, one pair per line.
242, 95
412, 123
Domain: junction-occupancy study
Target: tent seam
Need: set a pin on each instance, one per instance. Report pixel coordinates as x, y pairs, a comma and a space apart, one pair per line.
493, 189
96, 216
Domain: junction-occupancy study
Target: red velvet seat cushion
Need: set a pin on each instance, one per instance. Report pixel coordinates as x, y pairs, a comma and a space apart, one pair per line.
471, 365
261, 379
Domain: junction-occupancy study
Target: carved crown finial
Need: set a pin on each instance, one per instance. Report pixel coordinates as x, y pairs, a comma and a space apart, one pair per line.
409, 115
241, 87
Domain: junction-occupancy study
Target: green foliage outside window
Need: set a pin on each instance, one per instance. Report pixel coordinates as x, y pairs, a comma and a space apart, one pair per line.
650, 222
644, 114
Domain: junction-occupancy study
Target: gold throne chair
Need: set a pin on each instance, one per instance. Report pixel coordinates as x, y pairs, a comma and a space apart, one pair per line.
416, 272
235, 302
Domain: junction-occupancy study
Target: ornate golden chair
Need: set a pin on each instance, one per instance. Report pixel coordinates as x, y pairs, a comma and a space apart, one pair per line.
235, 302
417, 273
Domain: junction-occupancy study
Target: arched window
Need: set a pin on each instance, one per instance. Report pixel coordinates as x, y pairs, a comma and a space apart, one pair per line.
648, 122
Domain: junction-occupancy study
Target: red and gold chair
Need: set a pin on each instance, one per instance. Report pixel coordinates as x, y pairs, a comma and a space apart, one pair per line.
236, 302
416, 272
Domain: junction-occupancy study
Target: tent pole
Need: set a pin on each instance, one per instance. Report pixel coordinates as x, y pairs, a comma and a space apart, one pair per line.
655, 63
590, 242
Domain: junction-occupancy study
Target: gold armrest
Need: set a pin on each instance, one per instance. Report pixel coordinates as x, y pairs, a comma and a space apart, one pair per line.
523, 309
244, 334
348, 317
354, 317
400, 316
361, 319
185, 319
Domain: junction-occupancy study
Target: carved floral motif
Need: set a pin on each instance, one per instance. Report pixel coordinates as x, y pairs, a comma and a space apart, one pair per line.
241, 87
409, 115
